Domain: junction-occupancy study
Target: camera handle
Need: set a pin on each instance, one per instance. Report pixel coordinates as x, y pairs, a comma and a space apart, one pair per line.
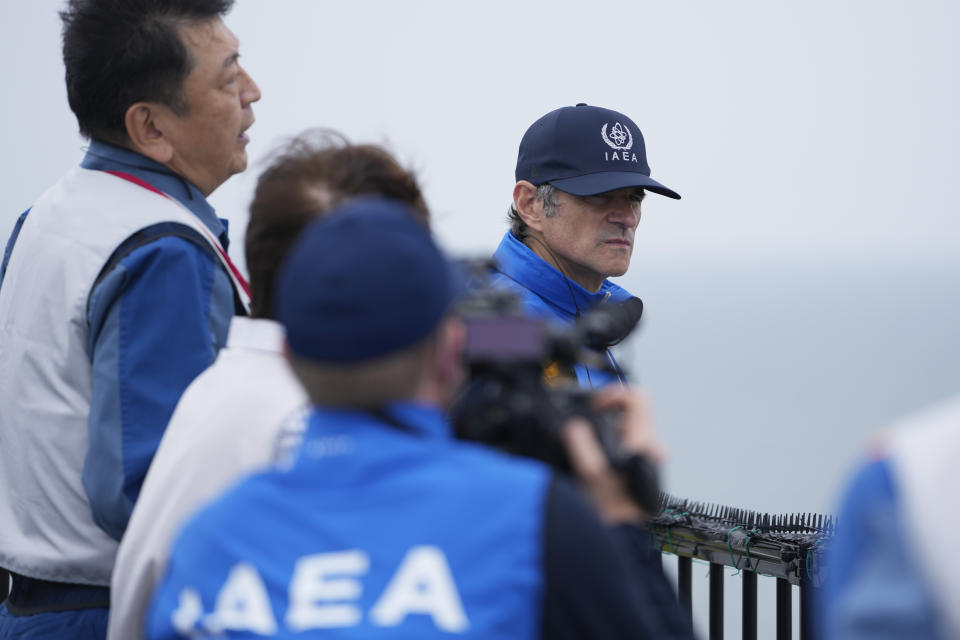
638, 471
643, 481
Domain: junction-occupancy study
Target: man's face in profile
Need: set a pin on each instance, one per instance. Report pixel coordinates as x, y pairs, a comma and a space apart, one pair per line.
208, 139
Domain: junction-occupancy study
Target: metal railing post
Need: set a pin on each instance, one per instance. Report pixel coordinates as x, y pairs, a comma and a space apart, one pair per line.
784, 610
808, 600
685, 584
749, 622
716, 601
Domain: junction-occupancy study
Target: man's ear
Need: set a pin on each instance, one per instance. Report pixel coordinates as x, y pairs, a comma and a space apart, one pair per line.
527, 205
450, 344
144, 124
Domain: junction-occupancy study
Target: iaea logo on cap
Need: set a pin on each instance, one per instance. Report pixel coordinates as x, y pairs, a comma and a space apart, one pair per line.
619, 138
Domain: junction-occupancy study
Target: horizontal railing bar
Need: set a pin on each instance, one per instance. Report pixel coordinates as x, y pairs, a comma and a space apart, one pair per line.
789, 561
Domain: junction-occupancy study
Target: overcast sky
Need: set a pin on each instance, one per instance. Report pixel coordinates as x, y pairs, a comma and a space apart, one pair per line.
790, 129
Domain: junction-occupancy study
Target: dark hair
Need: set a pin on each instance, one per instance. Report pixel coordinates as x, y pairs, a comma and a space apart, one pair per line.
119, 52
313, 173
545, 192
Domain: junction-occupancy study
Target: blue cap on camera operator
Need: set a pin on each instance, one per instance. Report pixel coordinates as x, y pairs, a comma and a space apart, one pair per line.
362, 282
585, 150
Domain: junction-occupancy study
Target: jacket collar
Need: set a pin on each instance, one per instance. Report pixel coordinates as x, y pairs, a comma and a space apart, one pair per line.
103, 156
518, 262
255, 334
416, 418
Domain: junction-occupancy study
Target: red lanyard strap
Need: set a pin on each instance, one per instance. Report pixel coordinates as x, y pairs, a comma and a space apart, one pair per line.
210, 237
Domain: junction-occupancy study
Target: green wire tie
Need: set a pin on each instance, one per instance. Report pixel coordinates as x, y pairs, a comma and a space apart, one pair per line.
806, 560
656, 536
673, 549
676, 517
746, 548
665, 512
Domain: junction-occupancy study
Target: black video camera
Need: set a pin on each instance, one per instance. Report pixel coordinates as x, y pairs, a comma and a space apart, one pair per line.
522, 388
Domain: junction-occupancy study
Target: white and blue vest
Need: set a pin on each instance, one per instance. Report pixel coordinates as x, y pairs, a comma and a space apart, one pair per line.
46, 527
924, 454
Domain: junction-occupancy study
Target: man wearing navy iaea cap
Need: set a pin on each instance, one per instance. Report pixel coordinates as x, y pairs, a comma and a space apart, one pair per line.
385, 526
581, 174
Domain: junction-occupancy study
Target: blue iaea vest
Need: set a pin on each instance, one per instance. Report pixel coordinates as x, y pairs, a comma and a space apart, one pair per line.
385, 528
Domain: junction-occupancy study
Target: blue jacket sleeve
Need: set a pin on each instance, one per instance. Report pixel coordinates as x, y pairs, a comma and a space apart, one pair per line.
157, 317
12, 241
873, 589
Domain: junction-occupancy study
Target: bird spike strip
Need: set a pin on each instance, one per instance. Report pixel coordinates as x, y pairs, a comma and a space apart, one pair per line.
788, 546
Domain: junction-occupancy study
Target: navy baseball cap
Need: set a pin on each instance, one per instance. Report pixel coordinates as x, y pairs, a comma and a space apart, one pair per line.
364, 281
586, 150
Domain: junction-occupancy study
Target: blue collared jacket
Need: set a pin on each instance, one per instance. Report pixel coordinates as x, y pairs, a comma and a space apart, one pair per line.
547, 293
874, 588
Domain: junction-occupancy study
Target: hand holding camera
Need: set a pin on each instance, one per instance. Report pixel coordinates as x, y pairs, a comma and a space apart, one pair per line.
619, 475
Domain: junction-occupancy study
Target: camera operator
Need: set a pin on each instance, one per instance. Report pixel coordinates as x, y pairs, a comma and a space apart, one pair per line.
385, 523
581, 174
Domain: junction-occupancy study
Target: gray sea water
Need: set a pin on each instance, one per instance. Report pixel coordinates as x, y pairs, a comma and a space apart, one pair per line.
766, 379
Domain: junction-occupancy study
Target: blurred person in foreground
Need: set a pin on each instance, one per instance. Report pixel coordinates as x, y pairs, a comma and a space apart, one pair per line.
115, 292
891, 572
247, 409
582, 175
385, 525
